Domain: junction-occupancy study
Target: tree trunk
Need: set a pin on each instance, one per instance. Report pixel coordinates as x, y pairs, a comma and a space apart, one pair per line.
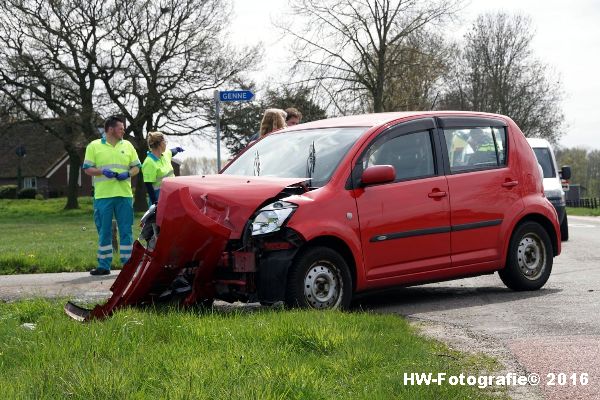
139, 198
75, 167
378, 94
140, 203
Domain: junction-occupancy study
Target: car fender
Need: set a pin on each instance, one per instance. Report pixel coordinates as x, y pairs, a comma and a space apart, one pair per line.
338, 219
535, 208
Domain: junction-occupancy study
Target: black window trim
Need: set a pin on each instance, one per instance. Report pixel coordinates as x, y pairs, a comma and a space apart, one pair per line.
469, 122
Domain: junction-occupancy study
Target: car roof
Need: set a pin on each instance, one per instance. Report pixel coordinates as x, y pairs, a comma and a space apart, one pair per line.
376, 119
538, 142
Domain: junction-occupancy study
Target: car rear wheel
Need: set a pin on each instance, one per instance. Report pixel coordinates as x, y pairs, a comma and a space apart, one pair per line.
319, 279
564, 229
529, 259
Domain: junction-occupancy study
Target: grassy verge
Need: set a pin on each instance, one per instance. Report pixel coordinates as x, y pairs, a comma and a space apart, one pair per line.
265, 354
587, 212
39, 236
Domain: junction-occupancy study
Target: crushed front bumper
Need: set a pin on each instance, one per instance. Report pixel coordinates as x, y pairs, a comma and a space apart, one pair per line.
189, 240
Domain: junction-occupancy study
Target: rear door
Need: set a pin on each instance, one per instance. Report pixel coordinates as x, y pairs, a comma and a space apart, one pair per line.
405, 224
484, 187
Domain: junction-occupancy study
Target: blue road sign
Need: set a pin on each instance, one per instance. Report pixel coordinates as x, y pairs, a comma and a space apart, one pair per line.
236, 95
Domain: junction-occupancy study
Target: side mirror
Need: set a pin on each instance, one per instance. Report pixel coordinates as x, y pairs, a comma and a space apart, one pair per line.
378, 174
565, 172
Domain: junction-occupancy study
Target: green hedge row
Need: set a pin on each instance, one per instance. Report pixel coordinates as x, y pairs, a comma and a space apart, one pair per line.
11, 192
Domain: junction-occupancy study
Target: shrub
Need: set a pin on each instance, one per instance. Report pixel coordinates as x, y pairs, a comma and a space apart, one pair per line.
39, 196
8, 192
27, 193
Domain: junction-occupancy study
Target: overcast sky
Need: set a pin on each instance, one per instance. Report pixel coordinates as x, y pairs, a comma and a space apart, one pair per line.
567, 38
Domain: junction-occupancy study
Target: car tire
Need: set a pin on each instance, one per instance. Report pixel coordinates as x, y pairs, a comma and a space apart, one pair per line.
564, 229
320, 279
529, 258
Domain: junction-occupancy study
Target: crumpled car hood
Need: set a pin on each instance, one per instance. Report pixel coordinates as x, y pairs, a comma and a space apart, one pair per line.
227, 199
197, 216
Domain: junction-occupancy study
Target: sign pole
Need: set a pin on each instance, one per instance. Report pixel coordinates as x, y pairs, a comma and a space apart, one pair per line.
227, 96
218, 127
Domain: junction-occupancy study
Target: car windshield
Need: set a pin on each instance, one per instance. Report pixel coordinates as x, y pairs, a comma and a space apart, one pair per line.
310, 153
545, 160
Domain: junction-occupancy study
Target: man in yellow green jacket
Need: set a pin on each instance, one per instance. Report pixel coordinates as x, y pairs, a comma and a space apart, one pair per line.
111, 162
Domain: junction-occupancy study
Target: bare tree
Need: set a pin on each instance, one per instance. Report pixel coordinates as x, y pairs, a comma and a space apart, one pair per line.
415, 83
162, 63
351, 48
497, 72
46, 69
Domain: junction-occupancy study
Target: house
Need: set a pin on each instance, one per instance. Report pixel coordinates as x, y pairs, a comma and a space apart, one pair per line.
45, 166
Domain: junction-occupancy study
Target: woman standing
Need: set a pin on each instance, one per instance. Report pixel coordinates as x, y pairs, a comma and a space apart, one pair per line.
273, 120
157, 164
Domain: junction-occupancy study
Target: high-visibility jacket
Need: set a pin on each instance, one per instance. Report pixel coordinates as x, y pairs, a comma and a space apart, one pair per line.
155, 169
118, 158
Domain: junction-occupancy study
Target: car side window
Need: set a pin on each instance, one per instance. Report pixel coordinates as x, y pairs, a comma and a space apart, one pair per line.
475, 148
410, 154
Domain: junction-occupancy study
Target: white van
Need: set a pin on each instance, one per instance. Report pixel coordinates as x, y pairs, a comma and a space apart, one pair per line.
552, 180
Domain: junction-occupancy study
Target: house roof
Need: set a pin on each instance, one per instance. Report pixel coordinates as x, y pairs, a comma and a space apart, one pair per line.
43, 150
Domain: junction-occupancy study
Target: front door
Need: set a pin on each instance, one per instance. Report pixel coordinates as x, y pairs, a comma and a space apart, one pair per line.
405, 224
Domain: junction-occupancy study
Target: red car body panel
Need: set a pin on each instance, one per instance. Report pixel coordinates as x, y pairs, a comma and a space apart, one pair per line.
227, 199
439, 227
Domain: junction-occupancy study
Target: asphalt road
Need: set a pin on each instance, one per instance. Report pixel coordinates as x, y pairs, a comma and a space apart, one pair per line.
551, 331
555, 330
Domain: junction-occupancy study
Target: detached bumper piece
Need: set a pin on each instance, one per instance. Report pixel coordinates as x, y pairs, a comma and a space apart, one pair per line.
77, 313
189, 240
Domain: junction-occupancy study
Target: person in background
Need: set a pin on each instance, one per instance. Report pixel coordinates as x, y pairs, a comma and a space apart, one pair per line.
273, 120
482, 150
157, 164
294, 117
111, 162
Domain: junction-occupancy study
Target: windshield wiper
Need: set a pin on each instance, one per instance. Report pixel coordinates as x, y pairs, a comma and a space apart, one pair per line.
311, 161
257, 164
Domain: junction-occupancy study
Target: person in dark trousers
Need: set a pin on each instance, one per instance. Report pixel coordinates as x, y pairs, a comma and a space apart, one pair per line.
157, 164
111, 162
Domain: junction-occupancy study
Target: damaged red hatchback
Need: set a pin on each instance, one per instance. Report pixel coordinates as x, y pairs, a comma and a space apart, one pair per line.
313, 214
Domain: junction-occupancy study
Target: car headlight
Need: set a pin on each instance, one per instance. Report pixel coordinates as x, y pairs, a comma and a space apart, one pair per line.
270, 218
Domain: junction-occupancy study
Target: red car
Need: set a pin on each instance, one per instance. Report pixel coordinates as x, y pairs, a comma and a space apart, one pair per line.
312, 214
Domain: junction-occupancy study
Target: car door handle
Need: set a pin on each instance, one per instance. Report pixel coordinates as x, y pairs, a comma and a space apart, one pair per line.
437, 194
509, 184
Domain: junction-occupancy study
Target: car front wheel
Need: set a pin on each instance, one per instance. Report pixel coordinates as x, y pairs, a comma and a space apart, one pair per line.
529, 259
319, 279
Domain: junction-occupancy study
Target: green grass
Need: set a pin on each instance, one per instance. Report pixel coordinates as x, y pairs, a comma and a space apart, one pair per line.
39, 236
580, 211
267, 354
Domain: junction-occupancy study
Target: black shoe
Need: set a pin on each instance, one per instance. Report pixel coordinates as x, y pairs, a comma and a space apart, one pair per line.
100, 271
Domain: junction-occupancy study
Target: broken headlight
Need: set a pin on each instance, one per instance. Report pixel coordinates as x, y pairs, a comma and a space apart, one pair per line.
270, 218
